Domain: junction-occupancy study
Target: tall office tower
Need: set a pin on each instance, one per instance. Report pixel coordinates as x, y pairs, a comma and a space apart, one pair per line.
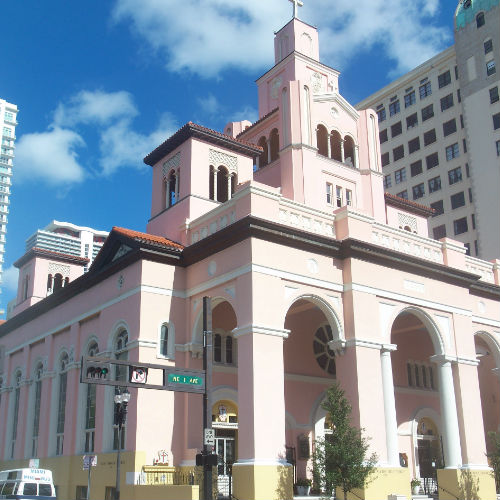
440, 132
69, 239
8, 122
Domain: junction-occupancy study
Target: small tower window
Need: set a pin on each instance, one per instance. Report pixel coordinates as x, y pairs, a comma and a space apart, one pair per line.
480, 19
58, 281
164, 340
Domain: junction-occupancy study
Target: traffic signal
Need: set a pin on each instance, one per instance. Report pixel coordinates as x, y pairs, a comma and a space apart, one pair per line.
94, 370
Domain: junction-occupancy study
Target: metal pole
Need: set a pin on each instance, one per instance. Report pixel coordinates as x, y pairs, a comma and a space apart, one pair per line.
88, 483
207, 414
118, 454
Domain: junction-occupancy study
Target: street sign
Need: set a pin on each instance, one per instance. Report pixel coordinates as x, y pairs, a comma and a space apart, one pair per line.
209, 437
184, 380
138, 374
179, 378
89, 461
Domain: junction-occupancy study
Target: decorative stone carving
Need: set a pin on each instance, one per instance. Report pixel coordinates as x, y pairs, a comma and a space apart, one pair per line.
55, 268
405, 220
275, 86
171, 163
316, 81
217, 158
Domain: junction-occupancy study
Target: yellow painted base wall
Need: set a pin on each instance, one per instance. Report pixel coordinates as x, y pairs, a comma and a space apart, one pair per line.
383, 482
466, 484
68, 473
262, 482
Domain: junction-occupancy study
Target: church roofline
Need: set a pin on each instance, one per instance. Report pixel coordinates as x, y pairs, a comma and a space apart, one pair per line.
408, 205
190, 130
291, 21
244, 229
258, 122
42, 252
299, 55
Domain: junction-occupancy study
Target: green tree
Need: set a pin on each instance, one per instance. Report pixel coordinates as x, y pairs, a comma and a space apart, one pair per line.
341, 459
494, 456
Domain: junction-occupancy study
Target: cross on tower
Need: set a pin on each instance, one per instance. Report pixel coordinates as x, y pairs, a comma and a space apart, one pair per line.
296, 3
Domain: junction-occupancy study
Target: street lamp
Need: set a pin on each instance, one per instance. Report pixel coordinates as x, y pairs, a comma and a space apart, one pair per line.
121, 402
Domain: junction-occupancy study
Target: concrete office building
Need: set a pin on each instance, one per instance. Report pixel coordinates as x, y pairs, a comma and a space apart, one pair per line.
8, 122
440, 132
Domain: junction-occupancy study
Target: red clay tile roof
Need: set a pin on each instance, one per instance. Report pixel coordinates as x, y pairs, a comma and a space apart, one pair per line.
410, 206
260, 120
194, 130
50, 253
151, 239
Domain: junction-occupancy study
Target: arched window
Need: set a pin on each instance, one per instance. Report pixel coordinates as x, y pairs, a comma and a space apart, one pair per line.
50, 284
223, 185
274, 143
263, 156
217, 348
121, 353
164, 340
36, 410
325, 356
223, 348
26, 282
171, 189
15, 415
322, 140
58, 281
61, 404
90, 406
480, 19
336, 145
211, 183
349, 150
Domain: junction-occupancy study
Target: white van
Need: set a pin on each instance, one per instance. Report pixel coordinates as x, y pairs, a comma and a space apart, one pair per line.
27, 484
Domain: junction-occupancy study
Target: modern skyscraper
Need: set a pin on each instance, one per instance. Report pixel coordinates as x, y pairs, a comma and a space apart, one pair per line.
8, 123
440, 132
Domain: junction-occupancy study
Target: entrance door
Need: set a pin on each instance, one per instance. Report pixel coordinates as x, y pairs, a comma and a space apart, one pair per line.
225, 447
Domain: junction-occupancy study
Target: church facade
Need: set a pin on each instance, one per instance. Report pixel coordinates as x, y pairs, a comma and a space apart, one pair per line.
316, 275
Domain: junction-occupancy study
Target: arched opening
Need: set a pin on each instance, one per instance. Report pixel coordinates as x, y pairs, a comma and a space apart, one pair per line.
309, 355
274, 143
416, 387
50, 284
322, 140
263, 156
171, 189
480, 19
223, 184
37, 404
225, 423
349, 151
336, 146
224, 344
58, 281
487, 354
90, 406
164, 340
61, 403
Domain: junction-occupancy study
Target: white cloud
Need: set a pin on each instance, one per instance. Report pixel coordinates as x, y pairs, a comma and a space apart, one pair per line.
209, 104
247, 113
50, 157
239, 33
94, 107
9, 280
121, 146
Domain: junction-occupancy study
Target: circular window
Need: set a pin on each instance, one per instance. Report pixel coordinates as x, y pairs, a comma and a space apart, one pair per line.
325, 356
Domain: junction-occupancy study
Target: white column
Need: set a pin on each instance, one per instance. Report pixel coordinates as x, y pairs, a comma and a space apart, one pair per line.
342, 159
177, 186
356, 156
167, 194
268, 142
215, 184
391, 425
451, 435
228, 177
329, 144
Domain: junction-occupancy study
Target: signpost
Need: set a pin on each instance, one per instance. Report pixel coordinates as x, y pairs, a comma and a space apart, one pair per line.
89, 461
97, 370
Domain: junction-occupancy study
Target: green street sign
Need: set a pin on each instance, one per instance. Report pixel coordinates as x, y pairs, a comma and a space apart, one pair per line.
179, 378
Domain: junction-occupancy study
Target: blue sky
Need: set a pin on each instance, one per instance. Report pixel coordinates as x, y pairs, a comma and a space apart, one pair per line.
100, 83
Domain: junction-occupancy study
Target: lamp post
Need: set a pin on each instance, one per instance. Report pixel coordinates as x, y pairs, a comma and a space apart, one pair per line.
121, 402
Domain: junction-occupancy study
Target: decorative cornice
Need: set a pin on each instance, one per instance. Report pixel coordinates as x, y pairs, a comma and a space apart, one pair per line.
262, 330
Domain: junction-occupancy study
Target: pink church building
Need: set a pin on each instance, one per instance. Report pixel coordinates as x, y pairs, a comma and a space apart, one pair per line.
315, 276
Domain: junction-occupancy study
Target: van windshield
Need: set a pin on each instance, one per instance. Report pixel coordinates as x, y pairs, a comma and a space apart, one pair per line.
44, 490
9, 488
29, 489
